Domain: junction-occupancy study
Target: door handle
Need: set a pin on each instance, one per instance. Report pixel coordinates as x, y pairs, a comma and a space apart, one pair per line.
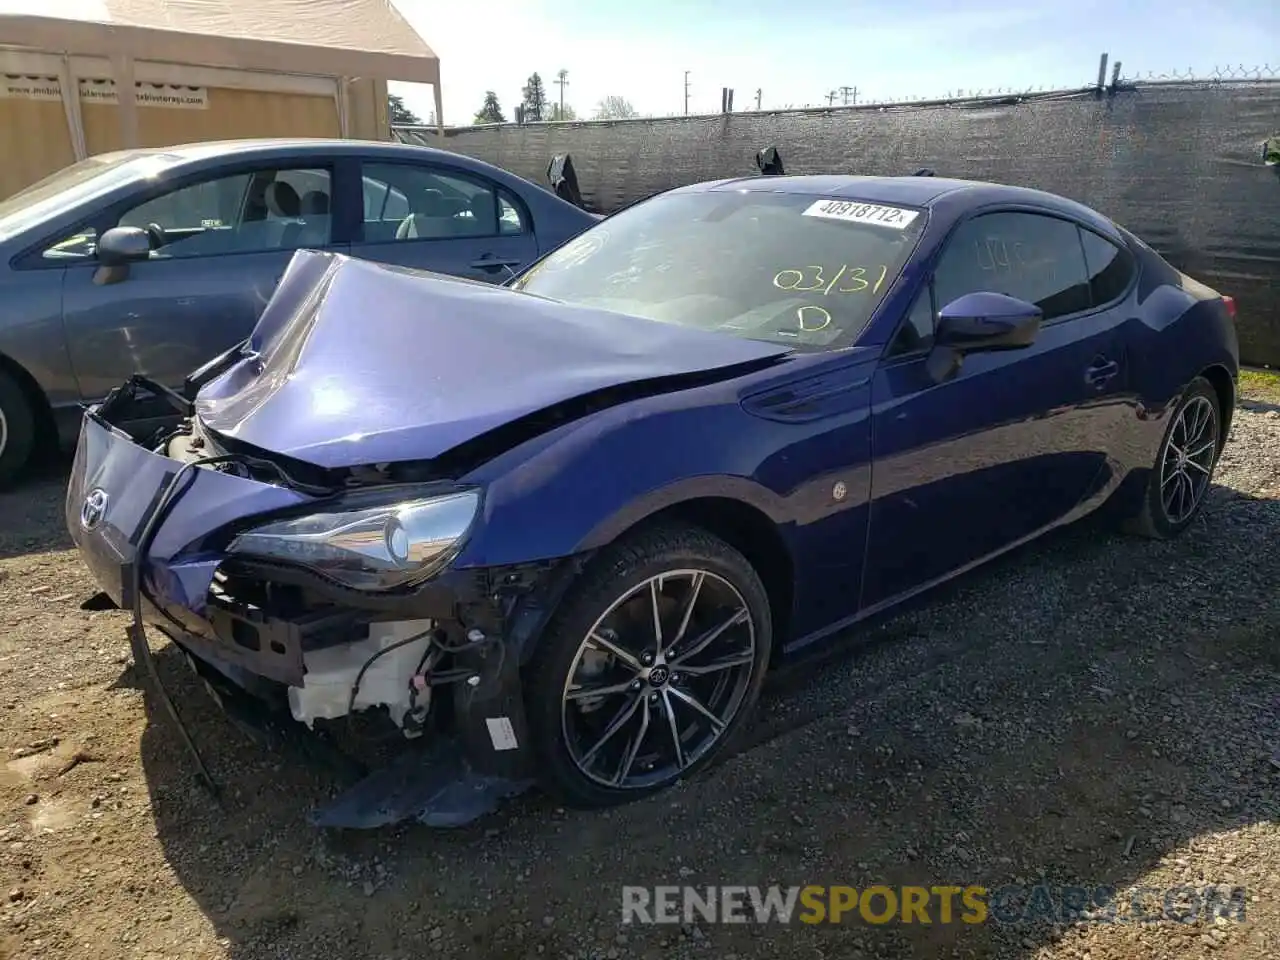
494, 263
1100, 372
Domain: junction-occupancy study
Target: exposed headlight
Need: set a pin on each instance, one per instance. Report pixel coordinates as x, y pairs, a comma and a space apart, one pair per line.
377, 547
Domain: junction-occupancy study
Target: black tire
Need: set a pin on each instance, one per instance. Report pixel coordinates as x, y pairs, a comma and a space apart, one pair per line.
17, 429
1157, 519
628, 565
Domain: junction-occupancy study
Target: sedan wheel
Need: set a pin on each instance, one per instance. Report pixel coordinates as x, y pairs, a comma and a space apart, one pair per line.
1187, 464
650, 667
17, 429
1183, 469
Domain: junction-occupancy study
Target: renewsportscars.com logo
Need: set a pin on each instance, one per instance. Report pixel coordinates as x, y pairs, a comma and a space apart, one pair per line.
941, 904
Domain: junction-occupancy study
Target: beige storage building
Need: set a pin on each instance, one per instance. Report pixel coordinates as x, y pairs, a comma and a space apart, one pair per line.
102, 75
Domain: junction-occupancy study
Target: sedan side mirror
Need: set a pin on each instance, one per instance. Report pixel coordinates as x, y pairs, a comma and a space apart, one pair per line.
978, 323
988, 321
121, 245
117, 248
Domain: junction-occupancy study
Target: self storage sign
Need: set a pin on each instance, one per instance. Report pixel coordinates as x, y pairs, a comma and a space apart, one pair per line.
29, 88
173, 96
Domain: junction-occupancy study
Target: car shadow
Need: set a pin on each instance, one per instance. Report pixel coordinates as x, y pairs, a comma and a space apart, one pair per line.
32, 510
977, 738
1259, 406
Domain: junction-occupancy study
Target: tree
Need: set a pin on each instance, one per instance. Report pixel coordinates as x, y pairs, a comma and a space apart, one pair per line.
535, 99
563, 113
399, 112
491, 112
615, 108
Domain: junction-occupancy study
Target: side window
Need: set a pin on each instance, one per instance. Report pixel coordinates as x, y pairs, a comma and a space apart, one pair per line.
916, 332
383, 202
1110, 268
411, 202
241, 213
375, 198
510, 220
1035, 258
78, 246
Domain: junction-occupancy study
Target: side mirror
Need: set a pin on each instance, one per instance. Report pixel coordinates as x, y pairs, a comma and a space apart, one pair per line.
769, 162
121, 245
117, 248
564, 180
978, 322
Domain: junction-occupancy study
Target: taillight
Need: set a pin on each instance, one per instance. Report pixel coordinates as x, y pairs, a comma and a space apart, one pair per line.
1230, 304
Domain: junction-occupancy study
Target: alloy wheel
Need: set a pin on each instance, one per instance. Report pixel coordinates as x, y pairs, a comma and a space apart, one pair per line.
658, 679
1187, 463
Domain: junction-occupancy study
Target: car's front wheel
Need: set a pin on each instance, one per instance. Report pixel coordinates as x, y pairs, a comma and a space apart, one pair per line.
17, 429
1180, 477
649, 668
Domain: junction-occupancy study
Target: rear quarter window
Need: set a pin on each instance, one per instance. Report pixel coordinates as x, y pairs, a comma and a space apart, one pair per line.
1110, 267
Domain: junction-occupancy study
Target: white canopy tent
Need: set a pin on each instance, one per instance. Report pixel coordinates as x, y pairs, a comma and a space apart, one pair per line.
301, 46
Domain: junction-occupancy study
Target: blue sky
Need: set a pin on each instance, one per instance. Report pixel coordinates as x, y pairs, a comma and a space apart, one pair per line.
797, 50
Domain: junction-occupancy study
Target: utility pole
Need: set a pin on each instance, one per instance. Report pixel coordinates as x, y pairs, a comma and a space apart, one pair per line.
759, 96
686, 93
831, 99
846, 92
562, 78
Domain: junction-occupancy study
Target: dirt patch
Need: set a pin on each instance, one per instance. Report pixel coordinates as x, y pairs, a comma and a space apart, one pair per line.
1095, 710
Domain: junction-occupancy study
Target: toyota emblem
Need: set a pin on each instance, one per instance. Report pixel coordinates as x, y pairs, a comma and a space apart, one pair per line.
93, 509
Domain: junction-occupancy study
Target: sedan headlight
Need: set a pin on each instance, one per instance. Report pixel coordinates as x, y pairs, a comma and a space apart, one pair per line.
377, 547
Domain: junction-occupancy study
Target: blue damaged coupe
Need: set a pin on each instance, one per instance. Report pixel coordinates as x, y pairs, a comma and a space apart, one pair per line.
558, 531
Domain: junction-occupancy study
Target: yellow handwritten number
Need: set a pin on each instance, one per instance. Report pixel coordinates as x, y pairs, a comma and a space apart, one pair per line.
854, 279
856, 276
783, 279
822, 318
791, 279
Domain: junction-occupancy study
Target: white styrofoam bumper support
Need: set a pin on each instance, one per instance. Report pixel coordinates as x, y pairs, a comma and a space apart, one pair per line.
331, 673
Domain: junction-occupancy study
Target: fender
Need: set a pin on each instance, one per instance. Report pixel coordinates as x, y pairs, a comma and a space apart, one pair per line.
740, 489
1161, 358
614, 468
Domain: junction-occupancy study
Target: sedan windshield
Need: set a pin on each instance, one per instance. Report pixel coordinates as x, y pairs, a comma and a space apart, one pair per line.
73, 185
805, 271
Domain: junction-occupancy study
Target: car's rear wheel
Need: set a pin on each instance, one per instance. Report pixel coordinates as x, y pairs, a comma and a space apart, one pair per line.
650, 667
17, 429
1183, 470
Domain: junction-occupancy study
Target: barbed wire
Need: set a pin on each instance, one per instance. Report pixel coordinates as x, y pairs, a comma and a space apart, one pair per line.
1238, 72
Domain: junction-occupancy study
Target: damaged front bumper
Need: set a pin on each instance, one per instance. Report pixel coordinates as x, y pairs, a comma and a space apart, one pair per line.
282, 647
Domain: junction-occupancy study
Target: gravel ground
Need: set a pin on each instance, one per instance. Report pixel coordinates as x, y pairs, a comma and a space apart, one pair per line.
1094, 709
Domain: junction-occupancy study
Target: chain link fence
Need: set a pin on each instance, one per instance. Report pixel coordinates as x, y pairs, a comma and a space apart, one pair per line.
1177, 159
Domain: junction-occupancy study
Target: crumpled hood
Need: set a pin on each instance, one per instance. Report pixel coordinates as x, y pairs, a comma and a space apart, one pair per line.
356, 363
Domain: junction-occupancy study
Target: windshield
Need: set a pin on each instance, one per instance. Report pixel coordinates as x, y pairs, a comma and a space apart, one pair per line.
71, 186
799, 270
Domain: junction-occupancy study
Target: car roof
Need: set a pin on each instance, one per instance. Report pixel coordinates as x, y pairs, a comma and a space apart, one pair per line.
915, 191
319, 145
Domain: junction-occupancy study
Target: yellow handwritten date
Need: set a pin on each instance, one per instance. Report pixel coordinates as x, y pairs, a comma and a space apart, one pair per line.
847, 279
